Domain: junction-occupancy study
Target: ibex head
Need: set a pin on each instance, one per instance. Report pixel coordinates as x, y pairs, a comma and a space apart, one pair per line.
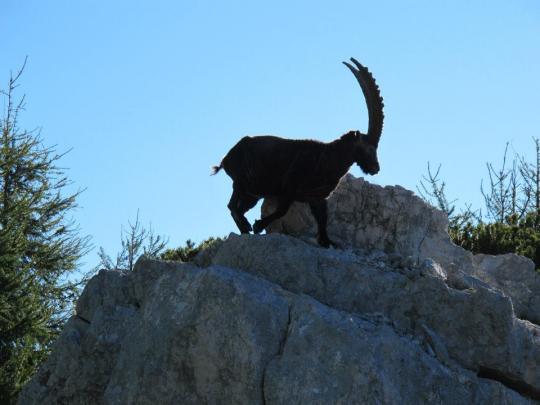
365, 145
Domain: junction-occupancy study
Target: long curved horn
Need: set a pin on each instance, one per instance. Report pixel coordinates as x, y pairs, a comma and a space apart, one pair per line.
373, 98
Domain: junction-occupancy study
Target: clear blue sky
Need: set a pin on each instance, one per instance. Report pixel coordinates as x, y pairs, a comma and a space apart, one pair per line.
150, 94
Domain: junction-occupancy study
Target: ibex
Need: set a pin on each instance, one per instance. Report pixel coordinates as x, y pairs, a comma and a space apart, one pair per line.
301, 170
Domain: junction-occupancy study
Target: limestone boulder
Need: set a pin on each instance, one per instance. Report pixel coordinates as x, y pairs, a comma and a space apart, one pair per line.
516, 277
273, 319
367, 216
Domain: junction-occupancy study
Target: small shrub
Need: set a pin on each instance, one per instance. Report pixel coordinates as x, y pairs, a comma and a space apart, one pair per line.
188, 252
520, 236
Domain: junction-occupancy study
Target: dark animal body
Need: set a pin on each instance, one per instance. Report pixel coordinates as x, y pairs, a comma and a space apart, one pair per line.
301, 170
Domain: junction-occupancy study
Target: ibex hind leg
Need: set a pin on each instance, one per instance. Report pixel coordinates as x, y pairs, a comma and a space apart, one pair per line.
239, 204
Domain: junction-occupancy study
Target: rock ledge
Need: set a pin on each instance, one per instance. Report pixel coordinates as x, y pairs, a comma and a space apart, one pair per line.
400, 315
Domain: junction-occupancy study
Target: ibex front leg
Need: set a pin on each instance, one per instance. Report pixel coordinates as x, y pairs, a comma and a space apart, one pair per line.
282, 208
319, 210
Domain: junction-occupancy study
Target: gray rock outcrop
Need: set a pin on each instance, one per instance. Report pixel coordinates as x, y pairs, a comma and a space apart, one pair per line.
402, 317
392, 219
516, 277
368, 216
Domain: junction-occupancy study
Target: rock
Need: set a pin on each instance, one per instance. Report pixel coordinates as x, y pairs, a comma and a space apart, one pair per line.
197, 336
88, 348
272, 319
364, 361
516, 277
477, 324
368, 216
392, 219
399, 316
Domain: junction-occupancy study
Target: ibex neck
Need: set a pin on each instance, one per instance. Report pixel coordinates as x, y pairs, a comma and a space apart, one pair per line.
343, 153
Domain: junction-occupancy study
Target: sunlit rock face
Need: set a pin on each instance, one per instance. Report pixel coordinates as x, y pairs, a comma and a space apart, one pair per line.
399, 315
516, 277
394, 220
367, 216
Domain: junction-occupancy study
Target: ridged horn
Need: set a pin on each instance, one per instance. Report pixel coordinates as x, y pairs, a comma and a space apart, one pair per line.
373, 98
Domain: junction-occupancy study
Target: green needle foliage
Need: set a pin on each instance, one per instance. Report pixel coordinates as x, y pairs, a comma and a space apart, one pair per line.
521, 236
39, 248
136, 241
511, 220
188, 252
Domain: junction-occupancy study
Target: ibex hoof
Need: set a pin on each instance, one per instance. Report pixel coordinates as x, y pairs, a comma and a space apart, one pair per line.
258, 226
326, 243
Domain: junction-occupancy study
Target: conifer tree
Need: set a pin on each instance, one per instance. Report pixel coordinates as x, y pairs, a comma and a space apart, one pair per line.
39, 247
